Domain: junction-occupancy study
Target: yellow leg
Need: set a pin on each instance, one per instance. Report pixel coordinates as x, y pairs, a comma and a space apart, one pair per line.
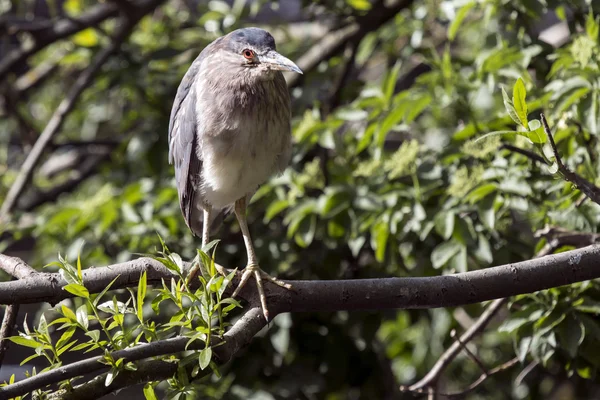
205, 238
252, 268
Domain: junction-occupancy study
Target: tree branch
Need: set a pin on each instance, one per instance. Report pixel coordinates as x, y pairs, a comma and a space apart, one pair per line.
366, 294
236, 338
335, 41
462, 393
452, 351
588, 188
67, 104
529, 154
52, 32
335, 295
8, 322
16, 267
83, 171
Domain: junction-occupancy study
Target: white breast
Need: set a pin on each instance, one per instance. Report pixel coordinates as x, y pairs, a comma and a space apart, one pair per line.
230, 175
243, 137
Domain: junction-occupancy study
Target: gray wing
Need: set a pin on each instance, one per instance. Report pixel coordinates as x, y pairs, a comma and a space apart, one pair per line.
182, 145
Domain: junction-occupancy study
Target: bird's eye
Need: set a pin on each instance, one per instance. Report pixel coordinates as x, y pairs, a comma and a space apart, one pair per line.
248, 54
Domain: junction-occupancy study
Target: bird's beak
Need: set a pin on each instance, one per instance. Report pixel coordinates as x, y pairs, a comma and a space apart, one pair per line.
279, 62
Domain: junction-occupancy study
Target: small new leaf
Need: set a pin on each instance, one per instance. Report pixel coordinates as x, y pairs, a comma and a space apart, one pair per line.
21, 341
204, 357
149, 392
520, 103
510, 107
77, 290
141, 294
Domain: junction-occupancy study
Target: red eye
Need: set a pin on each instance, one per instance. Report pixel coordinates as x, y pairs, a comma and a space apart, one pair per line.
248, 54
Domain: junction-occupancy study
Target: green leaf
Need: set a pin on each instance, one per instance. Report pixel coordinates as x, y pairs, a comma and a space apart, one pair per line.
94, 335
480, 192
149, 392
362, 5
444, 224
82, 316
458, 20
444, 252
110, 376
77, 289
141, 294
379, 237
205, 357
592, 25
22, 341
519, 102
487, 212
510, 108
275, 208
79, 273
390, 83
65, 337
536, 133
103, 292
86, 38
31, 357
570, 335
498, 133
67, 312
66, 347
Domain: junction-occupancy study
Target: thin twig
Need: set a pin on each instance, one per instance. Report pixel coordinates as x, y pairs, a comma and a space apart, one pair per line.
83, 172
456, 347
336, 93
588, 188
525, 372
529, 154
462, 393
8, 322
469, 353
334, 42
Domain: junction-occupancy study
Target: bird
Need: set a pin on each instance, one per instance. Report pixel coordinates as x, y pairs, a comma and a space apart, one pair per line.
229, 132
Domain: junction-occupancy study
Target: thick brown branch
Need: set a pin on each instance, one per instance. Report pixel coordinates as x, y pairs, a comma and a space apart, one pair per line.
588, 188
16, 267
374, 294
364, 294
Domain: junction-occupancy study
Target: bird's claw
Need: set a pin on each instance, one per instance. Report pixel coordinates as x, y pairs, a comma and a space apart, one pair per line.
259, 275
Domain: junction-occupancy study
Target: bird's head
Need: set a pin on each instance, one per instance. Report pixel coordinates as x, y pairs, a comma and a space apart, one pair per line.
253, 50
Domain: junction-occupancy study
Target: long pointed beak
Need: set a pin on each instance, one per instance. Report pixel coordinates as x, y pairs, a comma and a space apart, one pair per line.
279, 62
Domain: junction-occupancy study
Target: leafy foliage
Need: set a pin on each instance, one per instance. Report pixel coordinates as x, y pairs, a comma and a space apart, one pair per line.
426, 156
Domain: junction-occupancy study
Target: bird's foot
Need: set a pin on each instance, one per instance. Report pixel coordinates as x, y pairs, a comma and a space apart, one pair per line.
259, 275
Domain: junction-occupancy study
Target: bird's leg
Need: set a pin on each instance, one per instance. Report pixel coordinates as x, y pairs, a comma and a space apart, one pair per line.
205, 236
205, 226
252, 268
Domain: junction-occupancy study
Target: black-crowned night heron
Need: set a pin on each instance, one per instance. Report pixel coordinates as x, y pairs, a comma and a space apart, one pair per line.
229, 132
